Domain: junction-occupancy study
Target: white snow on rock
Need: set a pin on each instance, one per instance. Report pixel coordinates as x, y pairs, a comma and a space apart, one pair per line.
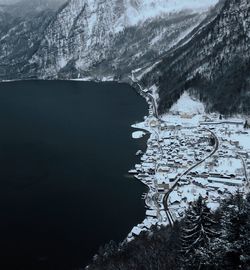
187, 105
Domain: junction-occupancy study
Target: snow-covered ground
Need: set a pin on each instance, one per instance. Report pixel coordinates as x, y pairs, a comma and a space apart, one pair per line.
186, 105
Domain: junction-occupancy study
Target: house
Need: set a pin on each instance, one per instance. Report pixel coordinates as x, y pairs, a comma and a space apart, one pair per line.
151, 213
172, 176
186, 115
171, 163
216, 186
161, 190
215, 174
200, 182
175, 198
163, 169
163, 187
136, 231
154, 123
229, 182
236, 143
243, 153
163, 126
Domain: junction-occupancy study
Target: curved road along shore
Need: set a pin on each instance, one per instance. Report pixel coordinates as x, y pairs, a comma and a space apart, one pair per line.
146, 95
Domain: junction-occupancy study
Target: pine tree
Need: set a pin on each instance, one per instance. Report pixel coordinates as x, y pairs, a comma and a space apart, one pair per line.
245, 257
197, 233
234, 230
246, 124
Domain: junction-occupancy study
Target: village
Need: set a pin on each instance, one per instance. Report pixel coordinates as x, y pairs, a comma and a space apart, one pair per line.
189, 154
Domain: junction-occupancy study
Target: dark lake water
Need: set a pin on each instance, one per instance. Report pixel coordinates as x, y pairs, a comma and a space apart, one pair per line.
65, 149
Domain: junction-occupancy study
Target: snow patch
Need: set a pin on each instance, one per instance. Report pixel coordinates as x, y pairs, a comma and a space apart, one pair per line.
188, 105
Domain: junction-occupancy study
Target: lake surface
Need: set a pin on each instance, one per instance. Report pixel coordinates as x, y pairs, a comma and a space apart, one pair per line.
65, 149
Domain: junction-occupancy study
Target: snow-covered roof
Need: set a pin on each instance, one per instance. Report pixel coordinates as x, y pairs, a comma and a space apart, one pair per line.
152, 213
136, 231
226, 181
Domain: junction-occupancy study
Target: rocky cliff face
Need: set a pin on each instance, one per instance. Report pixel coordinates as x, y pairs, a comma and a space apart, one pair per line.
214, 63
100, 38
20, 37
22, 27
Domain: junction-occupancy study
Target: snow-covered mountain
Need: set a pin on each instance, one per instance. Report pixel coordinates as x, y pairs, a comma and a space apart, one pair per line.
110, 37
20, 37
213, 62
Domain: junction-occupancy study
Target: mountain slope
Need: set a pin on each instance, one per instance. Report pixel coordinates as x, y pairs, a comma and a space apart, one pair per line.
93, 38
214, 64
22, 26
19, 39
21, 8
109, 38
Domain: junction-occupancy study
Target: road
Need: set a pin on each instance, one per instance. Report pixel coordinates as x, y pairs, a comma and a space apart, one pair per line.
146, 96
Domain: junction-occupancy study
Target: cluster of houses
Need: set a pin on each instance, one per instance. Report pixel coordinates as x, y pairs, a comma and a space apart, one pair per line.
227, 171
173, 149
168, 154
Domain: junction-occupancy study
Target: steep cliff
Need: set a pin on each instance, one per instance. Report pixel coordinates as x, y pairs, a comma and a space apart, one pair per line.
20, 37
